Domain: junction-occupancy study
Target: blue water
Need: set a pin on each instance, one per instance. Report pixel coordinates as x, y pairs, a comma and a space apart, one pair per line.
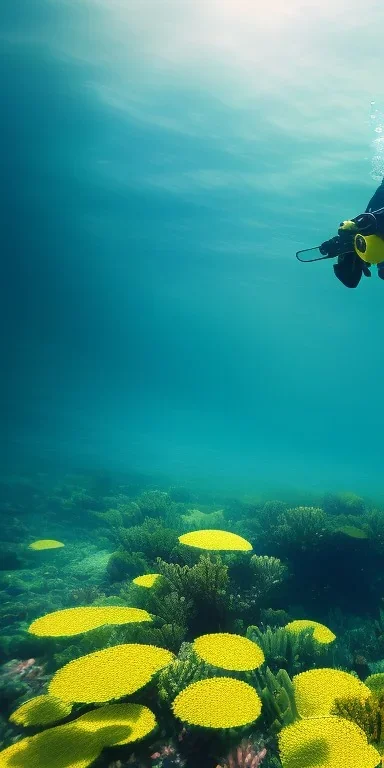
161, 165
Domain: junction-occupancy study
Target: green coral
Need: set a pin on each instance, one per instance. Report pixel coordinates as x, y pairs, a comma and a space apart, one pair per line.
160, 633
123, 565
151, 539
187, 668
274, 618
206, 580
130, 512
344, 504
277, 696
154, 503
111, 518
203, 586
376, 683
95, 640
300, 528
171, 615
269, 514
285, 650
376, 667
269, 572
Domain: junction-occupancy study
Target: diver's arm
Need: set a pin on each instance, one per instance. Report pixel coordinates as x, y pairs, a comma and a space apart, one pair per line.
369, 224
377, 201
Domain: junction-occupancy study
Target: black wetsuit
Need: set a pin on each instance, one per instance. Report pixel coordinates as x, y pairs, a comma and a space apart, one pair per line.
350, 267
376, 203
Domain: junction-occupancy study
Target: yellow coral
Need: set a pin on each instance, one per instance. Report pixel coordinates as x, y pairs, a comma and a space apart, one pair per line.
136, 719
148, 580
59, 747
213, 539
73, 621
218, 702
46, 544
109, 674
42, 710
229, 651
326, 742
316, 690
321, 633
78, 743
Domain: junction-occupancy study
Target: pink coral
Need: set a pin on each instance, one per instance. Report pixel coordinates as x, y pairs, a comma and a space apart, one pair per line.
27, 671
167, 756
246, 755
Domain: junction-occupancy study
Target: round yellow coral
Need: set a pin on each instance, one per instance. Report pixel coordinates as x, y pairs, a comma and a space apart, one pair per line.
326, 742
109, 674
46, 544
110, 722
42, 710
73, 621
78, 743
316, 690
218, 702
213, 539
61, 747
148, 580
321, 633
229, 651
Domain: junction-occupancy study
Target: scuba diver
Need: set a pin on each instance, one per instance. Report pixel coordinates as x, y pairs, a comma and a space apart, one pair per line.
358, 244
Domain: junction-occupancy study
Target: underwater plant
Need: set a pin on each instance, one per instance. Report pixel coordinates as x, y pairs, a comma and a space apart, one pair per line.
273, 618
269, 514
124, 565
300, 528
204, 586
277, 696
186, 668
151, 540
154, 503
285, 650
269, 573
347, 503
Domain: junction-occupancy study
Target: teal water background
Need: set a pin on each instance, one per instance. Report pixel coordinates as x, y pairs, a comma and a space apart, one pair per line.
162, 162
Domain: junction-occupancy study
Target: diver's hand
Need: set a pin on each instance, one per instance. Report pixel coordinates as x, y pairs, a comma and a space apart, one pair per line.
330, 247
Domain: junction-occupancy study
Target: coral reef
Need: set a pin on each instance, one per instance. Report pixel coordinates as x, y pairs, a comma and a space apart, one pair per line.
224, 630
